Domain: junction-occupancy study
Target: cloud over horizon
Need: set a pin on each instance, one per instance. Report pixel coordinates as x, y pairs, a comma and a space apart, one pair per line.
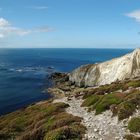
7, 29
135, 15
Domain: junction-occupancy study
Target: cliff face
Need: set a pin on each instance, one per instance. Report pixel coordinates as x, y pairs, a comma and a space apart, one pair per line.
127, 66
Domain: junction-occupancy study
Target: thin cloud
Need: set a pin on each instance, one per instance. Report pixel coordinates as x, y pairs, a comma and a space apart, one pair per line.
44, 29
135, 15
39, 7
7, 29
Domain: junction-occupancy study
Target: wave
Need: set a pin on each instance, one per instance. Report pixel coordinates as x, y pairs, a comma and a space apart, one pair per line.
46, 70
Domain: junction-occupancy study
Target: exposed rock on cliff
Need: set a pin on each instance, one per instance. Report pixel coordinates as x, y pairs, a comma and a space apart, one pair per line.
127, 66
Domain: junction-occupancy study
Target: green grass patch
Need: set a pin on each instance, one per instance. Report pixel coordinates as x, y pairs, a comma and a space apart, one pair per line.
121, 104
113, 87
105, 102
101, 103
134, 83
134, 124
91, 100
102, 90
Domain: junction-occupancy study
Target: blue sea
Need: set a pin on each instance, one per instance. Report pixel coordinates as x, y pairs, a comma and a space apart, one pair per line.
24, 72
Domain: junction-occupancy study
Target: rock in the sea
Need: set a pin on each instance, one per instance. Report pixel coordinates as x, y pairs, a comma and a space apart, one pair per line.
127, 66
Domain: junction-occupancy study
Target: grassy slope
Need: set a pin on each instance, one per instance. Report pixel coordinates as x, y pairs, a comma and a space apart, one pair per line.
121, 103
46, 121
108, 97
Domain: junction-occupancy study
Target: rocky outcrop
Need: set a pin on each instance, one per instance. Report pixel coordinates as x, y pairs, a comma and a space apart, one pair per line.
127, 66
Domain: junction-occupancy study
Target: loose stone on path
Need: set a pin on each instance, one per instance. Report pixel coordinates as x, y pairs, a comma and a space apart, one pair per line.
99, 127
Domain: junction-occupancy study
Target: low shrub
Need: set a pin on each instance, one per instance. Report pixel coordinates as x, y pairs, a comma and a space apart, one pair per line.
132, 137
125, 110
91, 100
134, 124
105, 102
73, 132
128, 107
135, 83
62, 120
46, 120
101, 103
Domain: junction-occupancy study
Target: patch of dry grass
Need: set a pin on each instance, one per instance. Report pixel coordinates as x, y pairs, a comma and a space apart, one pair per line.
41, 121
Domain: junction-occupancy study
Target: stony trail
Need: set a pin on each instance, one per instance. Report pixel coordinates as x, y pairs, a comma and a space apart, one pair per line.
99, 127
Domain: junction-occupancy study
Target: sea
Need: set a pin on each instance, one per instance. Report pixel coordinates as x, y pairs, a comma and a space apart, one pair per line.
24, 73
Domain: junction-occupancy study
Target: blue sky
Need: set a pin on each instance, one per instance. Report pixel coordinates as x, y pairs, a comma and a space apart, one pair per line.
70, 23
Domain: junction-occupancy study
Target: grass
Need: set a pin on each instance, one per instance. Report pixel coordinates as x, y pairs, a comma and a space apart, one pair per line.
41, 121
61, 120
102, 90
101, 103
128, 107
106, 101
109, 88
73, 132
125, 110
20, 124
122, 104
134, 83
132, 137
91, 100
134, 124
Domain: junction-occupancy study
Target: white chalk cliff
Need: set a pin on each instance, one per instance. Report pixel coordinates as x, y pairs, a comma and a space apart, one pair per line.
127, 66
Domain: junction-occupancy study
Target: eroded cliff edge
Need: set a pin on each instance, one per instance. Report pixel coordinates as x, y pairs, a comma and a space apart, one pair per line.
127, 66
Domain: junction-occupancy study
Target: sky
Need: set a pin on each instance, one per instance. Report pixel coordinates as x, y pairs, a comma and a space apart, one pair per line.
69, 23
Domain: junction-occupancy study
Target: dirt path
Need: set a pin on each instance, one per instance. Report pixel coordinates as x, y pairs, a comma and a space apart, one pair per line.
99, 127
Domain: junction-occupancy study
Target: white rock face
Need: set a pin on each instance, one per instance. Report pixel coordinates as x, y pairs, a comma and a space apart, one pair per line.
127, 66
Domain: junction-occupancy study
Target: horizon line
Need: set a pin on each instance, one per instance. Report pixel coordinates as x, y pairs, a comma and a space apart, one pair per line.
66, 48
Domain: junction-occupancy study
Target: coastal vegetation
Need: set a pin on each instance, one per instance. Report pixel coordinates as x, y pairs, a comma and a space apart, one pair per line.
134, 124
122, 101
120, 97
132, 137
102, 102
42, 121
